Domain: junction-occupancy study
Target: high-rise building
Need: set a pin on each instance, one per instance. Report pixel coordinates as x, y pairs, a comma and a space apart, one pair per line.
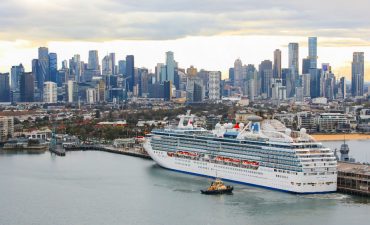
75, 68
65, 64
27, 91
112, 61
62, 77
43, 70
121, 67
143, 82
191, 71
6, 128
231, 75
90, 95
265, 73
315, 84
306, 63
163, 73
342, 88
299, 94
251, 82
50, 92
130, 72
284, 75
312, 52
167, 85
93, 61
214, 85
72, 91
36, 73
170, 66
293, 59
16, 72
277, 64
101, 91
4, 87
53, 67
158, 72
238, 73
306, 82
107, 68
358, 73
195, 89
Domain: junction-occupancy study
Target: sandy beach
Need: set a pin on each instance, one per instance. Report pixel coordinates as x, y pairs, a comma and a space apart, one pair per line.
339, 137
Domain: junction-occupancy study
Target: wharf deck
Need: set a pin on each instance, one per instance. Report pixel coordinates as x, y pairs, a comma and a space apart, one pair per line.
354, 178
136, 151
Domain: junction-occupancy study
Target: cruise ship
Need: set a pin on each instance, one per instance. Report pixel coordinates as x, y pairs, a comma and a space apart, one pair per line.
262, 153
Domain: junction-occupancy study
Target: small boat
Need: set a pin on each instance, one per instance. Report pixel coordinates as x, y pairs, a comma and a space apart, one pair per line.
218, 187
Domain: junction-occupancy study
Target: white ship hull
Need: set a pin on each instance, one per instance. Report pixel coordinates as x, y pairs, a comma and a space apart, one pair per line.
263, 176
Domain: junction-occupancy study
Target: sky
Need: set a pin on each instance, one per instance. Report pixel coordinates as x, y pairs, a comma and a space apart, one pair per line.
208, 34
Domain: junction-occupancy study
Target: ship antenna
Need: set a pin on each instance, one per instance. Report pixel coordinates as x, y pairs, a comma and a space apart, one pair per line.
344, 138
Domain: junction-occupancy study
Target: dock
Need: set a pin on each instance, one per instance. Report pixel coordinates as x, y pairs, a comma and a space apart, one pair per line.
58, 150
134, 151
354, 178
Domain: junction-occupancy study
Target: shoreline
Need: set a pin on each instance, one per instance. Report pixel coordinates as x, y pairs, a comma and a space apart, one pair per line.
340, 137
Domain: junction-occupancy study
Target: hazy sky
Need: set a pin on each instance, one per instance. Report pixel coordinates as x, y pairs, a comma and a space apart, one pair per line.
209, 34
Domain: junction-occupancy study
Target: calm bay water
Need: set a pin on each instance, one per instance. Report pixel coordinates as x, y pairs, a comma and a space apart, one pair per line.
103, 188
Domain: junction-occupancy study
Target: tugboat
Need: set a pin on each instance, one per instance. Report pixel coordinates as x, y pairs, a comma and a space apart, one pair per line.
218, 187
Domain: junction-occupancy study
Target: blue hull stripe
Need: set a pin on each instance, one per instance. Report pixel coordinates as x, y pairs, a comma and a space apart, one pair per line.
255, 185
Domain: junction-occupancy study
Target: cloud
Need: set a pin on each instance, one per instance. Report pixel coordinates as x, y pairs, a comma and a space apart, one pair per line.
105, 20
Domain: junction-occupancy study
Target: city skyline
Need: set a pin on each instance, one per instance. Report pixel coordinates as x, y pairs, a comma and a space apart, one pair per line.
143, 60
206, 34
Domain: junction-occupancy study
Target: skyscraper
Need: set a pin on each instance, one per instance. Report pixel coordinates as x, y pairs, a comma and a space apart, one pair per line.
358, 70
214, 85
163, 73
130, 72
231, 75
238, 73
75, 67
306, 63
315, 84
121, 67
107, 68
265, 74
53, 67
306, 82
112, 61
312, 52
170, 65
72, 91
4, 87
16, 72
342, 88
93, 62
251, 82
167, 86
27, 87
277, 64
192, 71
43, 70
293, 59
50, 92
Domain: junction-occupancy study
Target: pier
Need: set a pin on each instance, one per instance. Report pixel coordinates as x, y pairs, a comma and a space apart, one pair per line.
137, 151
58, 150
354, 178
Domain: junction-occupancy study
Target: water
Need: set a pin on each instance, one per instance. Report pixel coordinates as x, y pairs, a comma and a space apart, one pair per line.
104, 188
